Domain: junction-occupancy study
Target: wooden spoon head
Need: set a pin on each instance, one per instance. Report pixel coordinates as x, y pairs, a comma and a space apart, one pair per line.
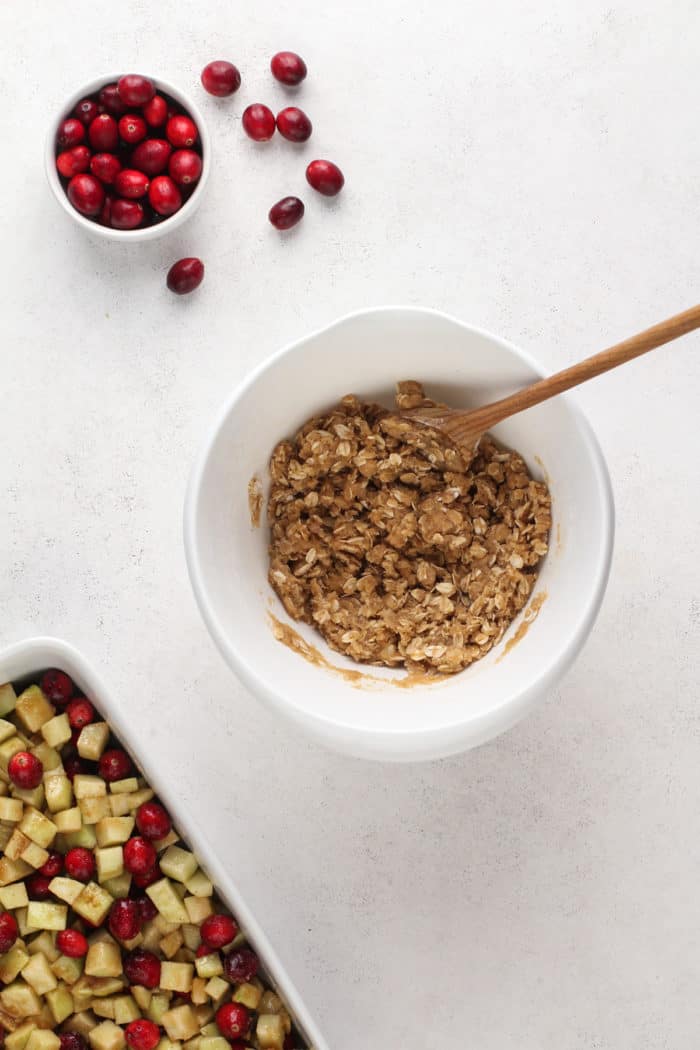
457, 427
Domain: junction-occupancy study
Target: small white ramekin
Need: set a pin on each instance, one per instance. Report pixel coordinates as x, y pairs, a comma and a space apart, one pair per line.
148, 233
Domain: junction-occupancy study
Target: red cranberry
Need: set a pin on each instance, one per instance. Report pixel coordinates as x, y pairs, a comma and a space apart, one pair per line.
111, 102
147, 909
73, 1041
115, 764
74, 764
25, 770
185, 275
152, 820
57, 687
181, 131
80, 863
325, 176
142, 1034
142, 967
164, 196
131, 184
139, 856
53, 866
72, 943
105, 216
232, 1020
286, 213
258, 122
293, 124
80, 711
220, 78
73, 161
135, 90
156, 111
104, 133
86, 111
132, 129
288, 68
126, 215
151, 157
202, 950
9, 931
241, 965
71, 133
218, 930
185, 167
106, 167
143, 881
124, 919
37, 887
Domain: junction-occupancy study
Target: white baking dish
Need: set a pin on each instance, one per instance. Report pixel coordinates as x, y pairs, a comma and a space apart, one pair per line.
28, 659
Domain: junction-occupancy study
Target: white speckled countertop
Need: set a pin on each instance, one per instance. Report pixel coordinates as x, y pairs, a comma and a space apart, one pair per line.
534, 169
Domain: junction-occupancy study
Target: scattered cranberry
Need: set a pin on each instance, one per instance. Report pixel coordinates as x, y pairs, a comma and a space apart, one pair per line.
139, 856
25, 770
151, 157
156, 111
164, 196
220, 78
80, 863
53, 866
142, 1034
106, 167
74, 763
70, 133
135, 90
126, 215
202, 950
86, 111
131, 184
181, 131
325, 176
147, 909
288, 68
105, 216
114, 764
185, 275
232, 1020
152, 820
132, 129
241, 965
258, 122
9, 931
293, 124
73, 161
185, 167
142, 967
57, 687
124, 919
104, 133
73, 1041
110, 101
143, 881
72, 943
37, 887
286, 213
218, 930
80, 711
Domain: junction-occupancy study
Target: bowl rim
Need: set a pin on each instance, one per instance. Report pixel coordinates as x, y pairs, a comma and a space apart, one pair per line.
513, 705
148, 232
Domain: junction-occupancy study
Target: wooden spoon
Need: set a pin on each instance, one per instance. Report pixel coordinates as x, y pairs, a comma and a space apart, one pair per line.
465, 427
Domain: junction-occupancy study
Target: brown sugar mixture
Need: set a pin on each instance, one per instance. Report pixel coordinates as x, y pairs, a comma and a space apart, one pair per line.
397, 548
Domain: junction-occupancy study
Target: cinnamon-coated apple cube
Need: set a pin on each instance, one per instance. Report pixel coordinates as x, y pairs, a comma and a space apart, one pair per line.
85, 837
270, 1032
137, 798
43, 1039
169, 840
110, 863
107, 1036
14, 896
119, 805
12, 962
214, 1042
104, 986
198, 995
151, 937
11, 809
142, 996
38, 974
8, 748
7, 729
45, 943
176, 977
67, 969
164, 926
125, 1009
199, 884
18, 1039
171, 943
93, 810
178, 864
33, 709
184, 955
49, 758
191, 936
159, 1006
209, 1029
19, 1000
103, 1008
5, 835
66, 889
209, 965
58, 792
35, 855
8, 698
44, 915
204, 1013
103, 960
193, 1043
33, 797
167, 901
16, 844
82, 993
60, 1002
113, 831
87, 786
118, 886
217, 988
38, 828
93, 903
124, 787
68, 821
180, 1023
168, 1044
248, 994
198, 908
57, 731
93, 740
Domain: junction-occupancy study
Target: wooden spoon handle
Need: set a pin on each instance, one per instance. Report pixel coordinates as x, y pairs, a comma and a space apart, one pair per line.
543, 389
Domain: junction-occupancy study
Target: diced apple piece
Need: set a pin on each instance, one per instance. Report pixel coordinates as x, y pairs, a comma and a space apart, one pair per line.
68, 821
180, 1023
14, 896
18, 1039
217, 988
191, 936
19, 1000
107, 1036
118, 886
66, 889
67, 969
137, 798
198, 995
168, 1044
33, 709
119, 805
35, 855
214, 1042
270, 1032
56, 731
38, 974
8, 699
204, 1014
12, 962
5, 835
176, 977
170, 944
198, 908
93, 810
7, 729
11, 809
209, 965
184, 955
192, 1044
18, 842
8, 748
60, 1003
103, 986
58, 792
84, 837
124, 787
151, 937
103, 960
21, 916
82, 993
32, 797
125, 1009
43, 1039
93, 740
164, 926
178, 864
43, 915
93, 903
82, 1021
45, 943
199, 885
103, 1008
87, 786
113, 831
248, 994
49, 758
38, 828
110, 863
169, 840
167, 901
142, 996
160, 1004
